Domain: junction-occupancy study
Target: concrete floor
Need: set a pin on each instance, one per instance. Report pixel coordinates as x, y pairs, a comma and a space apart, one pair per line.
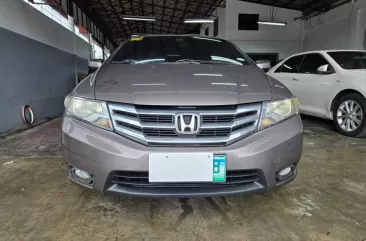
327, 201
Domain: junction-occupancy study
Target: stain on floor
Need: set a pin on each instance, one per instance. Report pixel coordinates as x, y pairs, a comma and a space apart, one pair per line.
326, 202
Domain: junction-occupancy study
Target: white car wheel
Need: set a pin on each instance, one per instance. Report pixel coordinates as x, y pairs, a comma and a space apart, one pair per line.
349, 115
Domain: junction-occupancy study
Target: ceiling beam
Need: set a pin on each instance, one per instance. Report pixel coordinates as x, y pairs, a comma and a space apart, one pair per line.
135, 23
123, 12
162, 16
173, 14
184, 14
171, 8
143, 12
170, 13
94, 17
153, 13
112, 6
323, 7
194, 16
311, 4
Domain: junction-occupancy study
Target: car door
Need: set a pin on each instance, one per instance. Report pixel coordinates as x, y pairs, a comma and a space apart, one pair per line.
286, 72
313, 88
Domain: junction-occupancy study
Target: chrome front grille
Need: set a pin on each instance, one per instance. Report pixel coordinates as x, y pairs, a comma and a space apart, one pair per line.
217, 118
155, 125
156, 118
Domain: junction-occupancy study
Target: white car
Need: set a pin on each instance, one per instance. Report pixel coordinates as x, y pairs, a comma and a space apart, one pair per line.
329, 84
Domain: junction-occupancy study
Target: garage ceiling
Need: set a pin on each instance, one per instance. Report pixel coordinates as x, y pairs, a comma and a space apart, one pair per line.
170, 14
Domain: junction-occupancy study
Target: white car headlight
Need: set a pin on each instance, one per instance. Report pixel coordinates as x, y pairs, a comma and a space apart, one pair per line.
277, 111
92, 111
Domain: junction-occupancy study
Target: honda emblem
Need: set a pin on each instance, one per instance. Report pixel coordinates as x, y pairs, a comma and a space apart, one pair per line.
187, 123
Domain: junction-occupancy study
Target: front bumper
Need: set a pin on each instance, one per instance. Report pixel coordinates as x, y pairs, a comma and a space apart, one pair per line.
102, 153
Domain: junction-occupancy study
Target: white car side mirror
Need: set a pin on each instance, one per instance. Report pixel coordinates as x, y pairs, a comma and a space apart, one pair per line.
264, 65
324, 69
94, 64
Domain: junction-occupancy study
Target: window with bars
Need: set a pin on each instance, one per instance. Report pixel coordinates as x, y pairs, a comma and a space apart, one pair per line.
65, 21
50, 12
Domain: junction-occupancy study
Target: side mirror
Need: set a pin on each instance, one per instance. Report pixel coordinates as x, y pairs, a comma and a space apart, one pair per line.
94, 64
324, 69
264, 65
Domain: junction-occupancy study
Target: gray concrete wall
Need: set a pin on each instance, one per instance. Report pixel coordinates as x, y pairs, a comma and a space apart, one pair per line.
36, 63
341, 28
20, 17
35, 74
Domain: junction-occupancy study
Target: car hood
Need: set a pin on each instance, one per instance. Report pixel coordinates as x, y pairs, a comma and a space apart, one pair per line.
181, 84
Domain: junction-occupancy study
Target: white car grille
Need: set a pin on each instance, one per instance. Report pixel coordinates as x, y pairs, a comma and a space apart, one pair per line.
155, 125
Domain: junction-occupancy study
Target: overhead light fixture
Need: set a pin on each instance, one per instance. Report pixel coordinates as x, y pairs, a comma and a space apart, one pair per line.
272, 23
139, 18
198, 21
150, 84
216, 75
232, 84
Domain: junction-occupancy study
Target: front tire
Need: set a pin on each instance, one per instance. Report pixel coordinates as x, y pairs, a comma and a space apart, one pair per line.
349, 115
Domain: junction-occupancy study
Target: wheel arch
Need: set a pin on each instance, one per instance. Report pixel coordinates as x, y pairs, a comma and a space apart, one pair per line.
340, 94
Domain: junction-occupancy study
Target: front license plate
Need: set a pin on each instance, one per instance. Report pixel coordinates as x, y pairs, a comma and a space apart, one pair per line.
187, 167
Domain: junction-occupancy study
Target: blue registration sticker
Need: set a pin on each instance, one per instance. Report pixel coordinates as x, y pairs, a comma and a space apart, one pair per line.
219, 168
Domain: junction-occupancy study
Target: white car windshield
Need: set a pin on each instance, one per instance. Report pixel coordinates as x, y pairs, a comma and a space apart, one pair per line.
350, 59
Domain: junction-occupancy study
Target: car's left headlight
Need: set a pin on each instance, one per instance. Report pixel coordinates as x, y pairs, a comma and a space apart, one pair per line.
276, 111
92, 111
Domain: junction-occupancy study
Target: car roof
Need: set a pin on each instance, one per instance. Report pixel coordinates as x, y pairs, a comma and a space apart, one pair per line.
327, 51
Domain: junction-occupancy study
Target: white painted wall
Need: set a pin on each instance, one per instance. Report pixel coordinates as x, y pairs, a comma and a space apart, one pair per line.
21, 18
210, 29
221, 13
360, 27
341, 28
331, 30
283, 40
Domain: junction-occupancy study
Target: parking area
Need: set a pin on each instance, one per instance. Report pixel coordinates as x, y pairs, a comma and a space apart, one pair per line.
188, 114
325, 202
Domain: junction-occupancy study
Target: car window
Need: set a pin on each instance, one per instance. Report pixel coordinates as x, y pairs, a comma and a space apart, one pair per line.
350, 59
179, 49
292, 65
312, 62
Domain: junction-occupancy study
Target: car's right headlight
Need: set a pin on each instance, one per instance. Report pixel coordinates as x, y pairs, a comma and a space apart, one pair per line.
91, 111
274, 112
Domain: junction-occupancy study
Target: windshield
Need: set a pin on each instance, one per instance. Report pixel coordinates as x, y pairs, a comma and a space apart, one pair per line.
350, 60
178, 50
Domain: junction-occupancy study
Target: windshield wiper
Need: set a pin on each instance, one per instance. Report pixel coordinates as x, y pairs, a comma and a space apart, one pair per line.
188, 61
193, 61
221, 62
125, 61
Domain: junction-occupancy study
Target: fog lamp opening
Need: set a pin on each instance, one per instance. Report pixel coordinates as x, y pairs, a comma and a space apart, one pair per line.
81, 176
285, 173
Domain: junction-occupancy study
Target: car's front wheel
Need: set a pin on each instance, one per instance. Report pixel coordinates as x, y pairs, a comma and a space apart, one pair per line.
349, 115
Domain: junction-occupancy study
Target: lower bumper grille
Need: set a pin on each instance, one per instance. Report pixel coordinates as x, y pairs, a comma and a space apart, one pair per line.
237, 178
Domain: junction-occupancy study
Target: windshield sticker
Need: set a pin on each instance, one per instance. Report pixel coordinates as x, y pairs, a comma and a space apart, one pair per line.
137, 39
